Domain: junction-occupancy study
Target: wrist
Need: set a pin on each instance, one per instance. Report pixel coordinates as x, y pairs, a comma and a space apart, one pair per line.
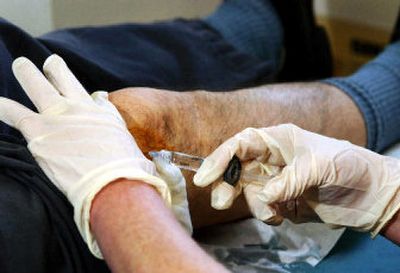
392, 229
114, 192
389, 222
85, 190
136, 230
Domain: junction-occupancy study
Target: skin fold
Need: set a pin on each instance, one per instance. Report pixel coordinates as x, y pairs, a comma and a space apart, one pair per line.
197, 122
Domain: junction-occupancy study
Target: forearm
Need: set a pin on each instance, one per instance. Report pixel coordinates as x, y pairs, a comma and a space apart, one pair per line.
137, 233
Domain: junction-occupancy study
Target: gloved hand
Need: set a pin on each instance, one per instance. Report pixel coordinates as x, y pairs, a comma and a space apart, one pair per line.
80, 141
345, 185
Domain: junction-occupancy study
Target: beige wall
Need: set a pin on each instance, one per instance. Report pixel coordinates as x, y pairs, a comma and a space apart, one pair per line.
34, 16
368, 23
40, 16
93, 12
375, 13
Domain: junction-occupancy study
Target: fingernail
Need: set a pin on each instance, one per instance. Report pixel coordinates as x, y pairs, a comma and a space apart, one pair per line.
52, 59
19, 62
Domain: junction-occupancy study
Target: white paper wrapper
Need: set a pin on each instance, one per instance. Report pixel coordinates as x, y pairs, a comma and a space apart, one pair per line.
252, 246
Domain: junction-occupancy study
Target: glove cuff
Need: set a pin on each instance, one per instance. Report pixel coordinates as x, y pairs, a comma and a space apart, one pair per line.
85, 190
392, 208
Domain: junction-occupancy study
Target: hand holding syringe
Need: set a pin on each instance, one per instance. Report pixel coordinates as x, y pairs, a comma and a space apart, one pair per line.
232, 174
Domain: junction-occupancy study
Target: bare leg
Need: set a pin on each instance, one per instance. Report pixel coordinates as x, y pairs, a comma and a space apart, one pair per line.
197, 122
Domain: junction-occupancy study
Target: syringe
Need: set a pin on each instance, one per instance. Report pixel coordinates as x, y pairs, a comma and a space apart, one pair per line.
232, 174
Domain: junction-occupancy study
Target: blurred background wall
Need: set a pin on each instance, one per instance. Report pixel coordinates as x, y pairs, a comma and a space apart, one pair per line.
358, 29
92, 12
34, 16
40, 16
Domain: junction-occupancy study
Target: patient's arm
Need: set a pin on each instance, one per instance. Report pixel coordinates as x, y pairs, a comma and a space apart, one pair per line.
197, 122
137, 233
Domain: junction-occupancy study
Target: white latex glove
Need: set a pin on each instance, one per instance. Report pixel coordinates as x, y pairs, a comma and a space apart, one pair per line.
80, 141
345, 185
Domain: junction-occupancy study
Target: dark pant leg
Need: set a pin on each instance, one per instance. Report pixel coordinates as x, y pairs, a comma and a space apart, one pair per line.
37, 231
177, 55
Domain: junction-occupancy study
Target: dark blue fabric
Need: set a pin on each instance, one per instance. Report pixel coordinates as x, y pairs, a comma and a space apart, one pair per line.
375, 88
37, 231
179, 55
357, 252
252, 26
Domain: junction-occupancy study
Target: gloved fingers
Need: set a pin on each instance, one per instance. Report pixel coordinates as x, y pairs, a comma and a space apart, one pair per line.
246, 145
298, 211
36, 86
11, 113
290, 183
58, 73
259, 209
100, 97
223, 195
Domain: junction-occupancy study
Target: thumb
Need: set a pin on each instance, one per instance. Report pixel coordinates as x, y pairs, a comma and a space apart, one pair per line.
247, 145
11, 113
215, 164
